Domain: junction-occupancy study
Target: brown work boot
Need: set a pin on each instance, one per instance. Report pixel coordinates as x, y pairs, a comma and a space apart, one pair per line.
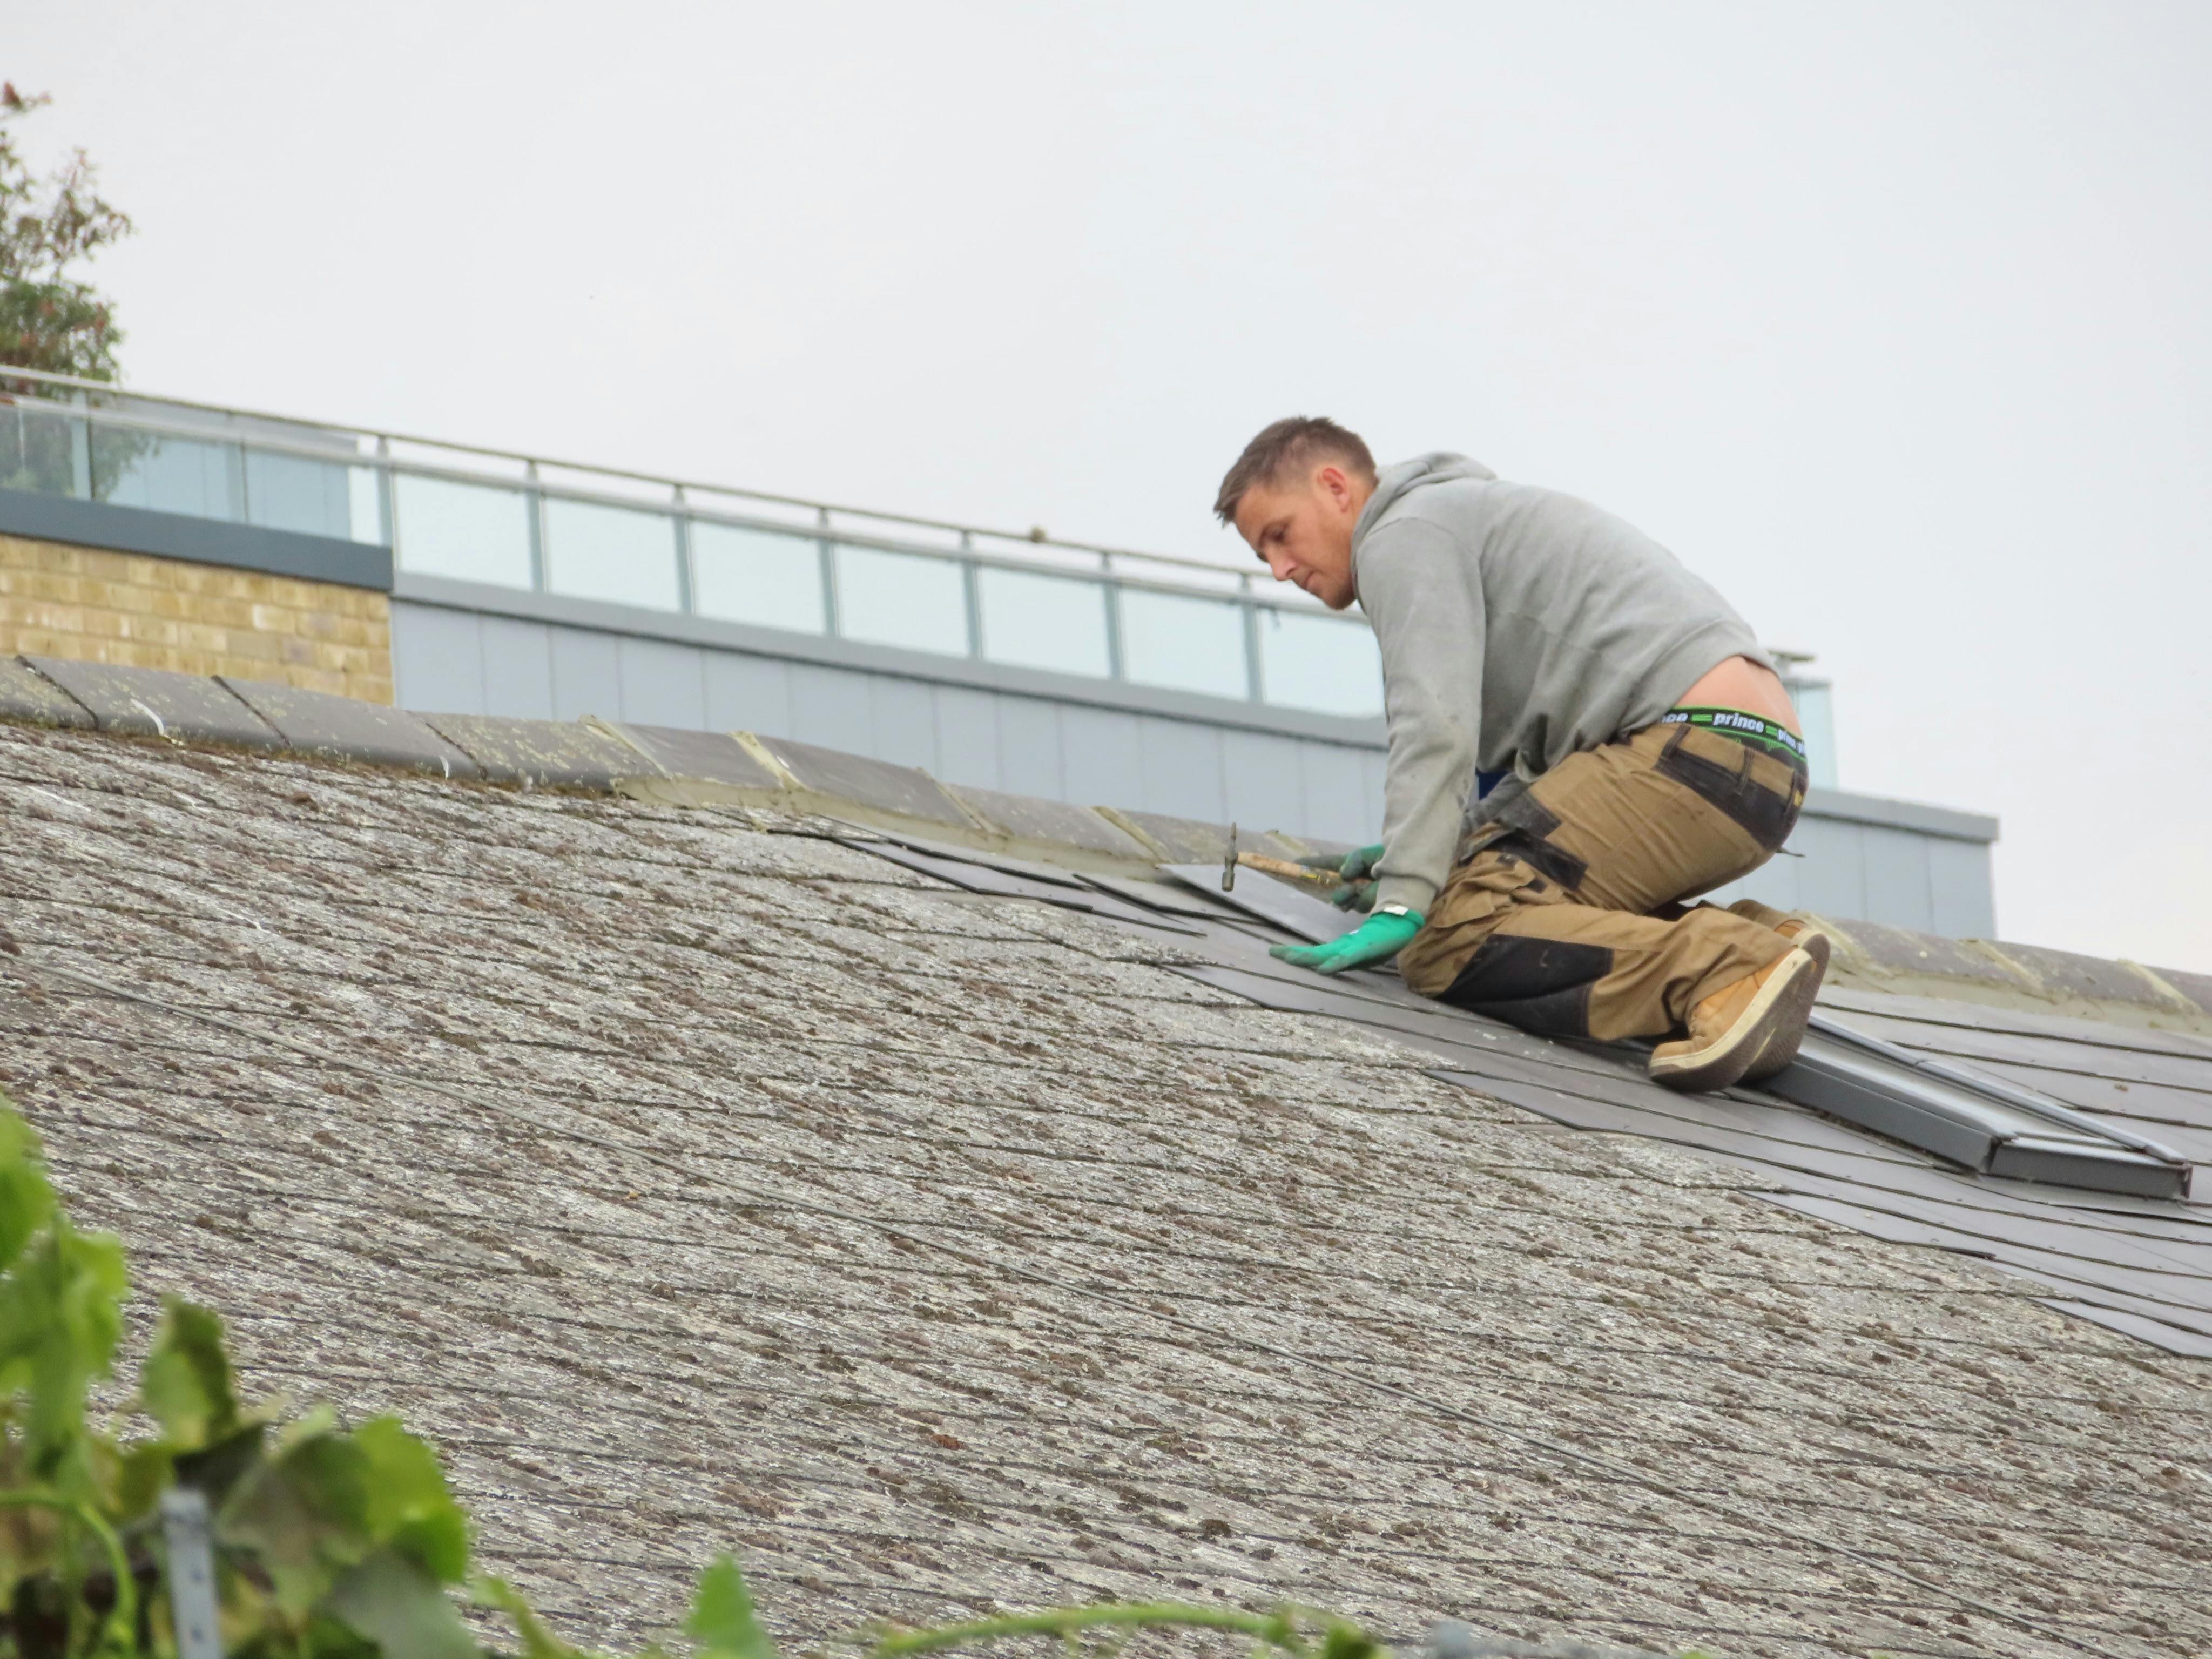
1796, 926
1757, 1021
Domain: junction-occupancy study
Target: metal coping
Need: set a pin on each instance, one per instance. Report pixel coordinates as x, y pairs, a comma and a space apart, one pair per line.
1971, 1118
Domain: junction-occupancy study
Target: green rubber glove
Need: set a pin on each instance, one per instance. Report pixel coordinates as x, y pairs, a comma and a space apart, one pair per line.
1375, 939
1360, 861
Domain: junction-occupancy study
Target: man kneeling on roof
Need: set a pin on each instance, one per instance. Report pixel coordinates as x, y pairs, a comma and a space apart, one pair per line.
1650, 753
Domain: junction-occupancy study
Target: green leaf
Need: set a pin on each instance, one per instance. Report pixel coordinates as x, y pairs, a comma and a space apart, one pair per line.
185, 1384
538, 1642
722, 1618
1344, 1641
400, 1607
409, 1506
60, 1313
304, 1512
26, 1200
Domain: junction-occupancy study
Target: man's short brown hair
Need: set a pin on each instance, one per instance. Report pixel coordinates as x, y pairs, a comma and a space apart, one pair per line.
1296, 442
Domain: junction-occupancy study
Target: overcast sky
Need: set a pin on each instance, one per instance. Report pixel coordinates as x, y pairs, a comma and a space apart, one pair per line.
1891, 320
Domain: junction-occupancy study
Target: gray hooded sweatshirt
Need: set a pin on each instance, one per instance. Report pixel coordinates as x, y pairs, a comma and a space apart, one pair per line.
1518, 626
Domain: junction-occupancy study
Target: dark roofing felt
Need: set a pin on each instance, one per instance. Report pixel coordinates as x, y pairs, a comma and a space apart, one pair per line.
697, 1180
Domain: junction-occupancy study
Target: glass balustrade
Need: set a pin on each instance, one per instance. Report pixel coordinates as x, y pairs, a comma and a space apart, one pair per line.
250, 470
1327, 664
1183, 644
758, 576
1032, 621
901, 599
471, 532
618, 554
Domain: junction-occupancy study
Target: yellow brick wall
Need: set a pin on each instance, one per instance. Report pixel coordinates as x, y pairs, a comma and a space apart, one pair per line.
143, 612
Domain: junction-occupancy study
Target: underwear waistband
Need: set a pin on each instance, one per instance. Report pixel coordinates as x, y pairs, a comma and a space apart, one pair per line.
1771, 735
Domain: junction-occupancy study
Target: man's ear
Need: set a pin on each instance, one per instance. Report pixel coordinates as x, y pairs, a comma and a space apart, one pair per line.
1332, 480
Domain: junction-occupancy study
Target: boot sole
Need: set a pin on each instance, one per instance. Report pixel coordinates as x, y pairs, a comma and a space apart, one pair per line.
1782, 1048
1776, 1018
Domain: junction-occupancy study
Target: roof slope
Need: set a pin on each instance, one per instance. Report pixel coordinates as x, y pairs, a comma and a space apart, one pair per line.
696, 1180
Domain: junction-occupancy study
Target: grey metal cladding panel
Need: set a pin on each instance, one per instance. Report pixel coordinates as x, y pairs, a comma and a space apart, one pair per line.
1338, 803
967, 736
27, 695
714, 756
1263, 782
662, 683
1027, 817
318, 723
518, 671
153, 701
1032, 748
1182, 769
586, 673
747, 693
829, 707
870, 782
1896, 874
1099, 755
1960, 890
902, 723
437, 659
197, 540
1184, 841
540, 751
1831, 879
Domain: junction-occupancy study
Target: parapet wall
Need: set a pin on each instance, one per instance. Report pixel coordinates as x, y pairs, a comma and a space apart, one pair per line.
139, 610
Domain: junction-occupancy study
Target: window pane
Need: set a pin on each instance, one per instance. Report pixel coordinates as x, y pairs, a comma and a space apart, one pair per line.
896, 598
290, 492
1320, 663
168, 475
1044, 622
38, 450
1192, 645
613, 553
365, 506
475, 533
756, 576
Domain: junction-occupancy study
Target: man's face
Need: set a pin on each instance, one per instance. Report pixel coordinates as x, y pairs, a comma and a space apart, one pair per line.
1301, 527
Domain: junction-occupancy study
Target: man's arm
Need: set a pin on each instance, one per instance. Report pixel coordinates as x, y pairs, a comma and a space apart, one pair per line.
1422, 592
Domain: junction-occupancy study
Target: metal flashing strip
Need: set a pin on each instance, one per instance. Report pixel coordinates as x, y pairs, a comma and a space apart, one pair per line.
1970, 1118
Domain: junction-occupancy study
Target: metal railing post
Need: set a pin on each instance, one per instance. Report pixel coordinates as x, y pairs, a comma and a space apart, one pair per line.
387, 497
1110, 592
81, 450
971, 591
533, 507
685, 574
1253, 688
827, 552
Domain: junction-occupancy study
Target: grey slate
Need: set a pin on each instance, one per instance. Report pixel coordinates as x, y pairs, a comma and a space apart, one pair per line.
1031, 817
967, 1256
557, 753
155, 702
1270, 900
716, 756
2064, 974
27, 695
318, 723
906, 790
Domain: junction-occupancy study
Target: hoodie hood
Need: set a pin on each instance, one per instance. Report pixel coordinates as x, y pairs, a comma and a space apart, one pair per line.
1395, 480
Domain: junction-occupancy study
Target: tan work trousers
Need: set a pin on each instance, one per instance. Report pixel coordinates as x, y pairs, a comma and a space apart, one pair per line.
1564, 916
